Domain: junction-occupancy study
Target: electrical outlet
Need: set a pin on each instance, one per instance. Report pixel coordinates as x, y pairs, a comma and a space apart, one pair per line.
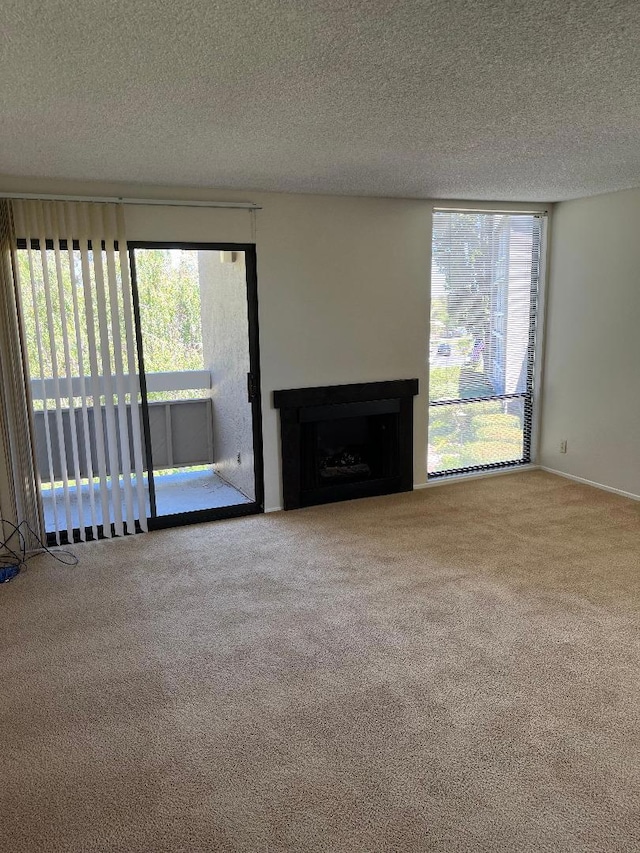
563, 445
240, 458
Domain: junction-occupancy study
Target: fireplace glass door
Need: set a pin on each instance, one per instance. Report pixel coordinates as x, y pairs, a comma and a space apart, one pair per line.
349, 450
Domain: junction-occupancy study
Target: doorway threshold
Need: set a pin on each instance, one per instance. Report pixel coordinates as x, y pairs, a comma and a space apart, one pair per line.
177, 492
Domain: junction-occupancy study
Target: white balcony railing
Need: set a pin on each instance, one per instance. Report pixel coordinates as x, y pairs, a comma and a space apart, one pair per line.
181, 431
175, 380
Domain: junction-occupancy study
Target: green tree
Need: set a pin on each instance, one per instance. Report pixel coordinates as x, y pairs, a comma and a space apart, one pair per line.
169, 297
169, 294
463, 251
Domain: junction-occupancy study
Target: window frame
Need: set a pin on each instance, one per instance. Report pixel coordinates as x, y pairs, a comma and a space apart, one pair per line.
532, 401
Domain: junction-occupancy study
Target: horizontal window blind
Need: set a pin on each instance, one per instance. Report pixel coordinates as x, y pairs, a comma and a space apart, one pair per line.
485, 279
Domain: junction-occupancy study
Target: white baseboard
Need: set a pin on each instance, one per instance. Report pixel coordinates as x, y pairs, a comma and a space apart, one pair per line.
590, 483
475, 475
273, 508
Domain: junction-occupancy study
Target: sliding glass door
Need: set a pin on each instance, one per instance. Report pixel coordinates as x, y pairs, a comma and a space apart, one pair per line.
144, 371
196, 316
485, 277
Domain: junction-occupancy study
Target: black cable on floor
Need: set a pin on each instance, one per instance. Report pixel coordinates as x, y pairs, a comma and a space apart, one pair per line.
16, 555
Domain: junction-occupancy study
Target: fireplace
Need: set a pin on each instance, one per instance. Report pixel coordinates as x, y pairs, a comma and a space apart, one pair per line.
346, 441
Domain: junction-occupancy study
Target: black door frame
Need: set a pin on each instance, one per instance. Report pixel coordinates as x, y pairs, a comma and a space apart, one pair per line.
253, 384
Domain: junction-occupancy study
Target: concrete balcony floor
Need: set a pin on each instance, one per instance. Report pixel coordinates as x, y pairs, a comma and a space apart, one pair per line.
176, 492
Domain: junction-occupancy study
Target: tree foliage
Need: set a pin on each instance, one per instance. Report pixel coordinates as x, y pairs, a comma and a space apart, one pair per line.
463, 250
169, 293
474, 434
60, 328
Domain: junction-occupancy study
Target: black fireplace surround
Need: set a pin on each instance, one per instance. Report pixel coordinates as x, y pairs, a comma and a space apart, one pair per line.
346, 441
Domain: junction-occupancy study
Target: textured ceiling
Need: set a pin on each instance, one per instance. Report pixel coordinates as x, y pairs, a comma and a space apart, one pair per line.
443, 99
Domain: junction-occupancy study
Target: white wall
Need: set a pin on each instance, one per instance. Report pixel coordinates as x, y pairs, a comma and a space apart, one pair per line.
592, 353
343, 285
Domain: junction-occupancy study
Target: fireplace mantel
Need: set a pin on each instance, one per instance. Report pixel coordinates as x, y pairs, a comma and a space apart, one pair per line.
380, 414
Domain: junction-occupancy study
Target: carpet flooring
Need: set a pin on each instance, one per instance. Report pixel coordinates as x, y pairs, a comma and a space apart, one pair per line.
454, 669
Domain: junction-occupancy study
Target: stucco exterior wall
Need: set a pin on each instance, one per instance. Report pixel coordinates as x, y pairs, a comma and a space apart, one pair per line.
223, 292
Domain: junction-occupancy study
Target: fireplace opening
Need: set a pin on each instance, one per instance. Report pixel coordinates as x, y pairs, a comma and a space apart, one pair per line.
349, 450
344, 451
346, 441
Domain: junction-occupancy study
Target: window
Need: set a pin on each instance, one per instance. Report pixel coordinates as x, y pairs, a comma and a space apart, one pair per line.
485, 275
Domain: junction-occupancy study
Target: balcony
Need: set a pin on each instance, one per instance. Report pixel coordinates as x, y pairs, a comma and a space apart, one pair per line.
181, 429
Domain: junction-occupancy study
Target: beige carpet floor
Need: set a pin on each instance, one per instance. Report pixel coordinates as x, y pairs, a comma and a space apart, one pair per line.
450, 670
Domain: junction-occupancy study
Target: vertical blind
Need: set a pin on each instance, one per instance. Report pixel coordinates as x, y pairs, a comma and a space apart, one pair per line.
485, 278
19, 496
77, 309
